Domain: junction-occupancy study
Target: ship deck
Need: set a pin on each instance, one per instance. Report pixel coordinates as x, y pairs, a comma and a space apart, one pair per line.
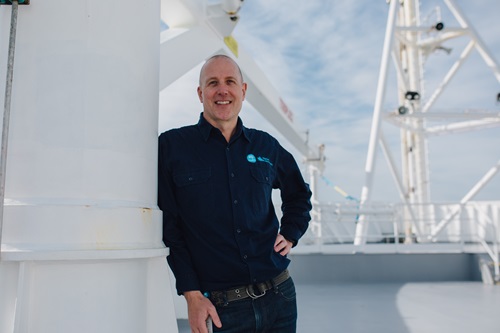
392, 293
420, 307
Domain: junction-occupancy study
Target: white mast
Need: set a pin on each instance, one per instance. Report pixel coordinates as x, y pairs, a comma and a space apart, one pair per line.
410, 42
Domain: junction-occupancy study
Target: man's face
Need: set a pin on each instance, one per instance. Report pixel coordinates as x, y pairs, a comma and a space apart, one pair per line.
221, 91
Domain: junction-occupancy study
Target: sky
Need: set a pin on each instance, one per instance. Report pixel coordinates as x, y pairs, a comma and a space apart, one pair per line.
323, 57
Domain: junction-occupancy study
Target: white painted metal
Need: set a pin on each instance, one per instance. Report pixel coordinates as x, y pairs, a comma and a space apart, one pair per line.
451, 73
480, 45
82, 248
6, 110
473, 191
411, 223
377, 113
476, 222
417, 176
416, 117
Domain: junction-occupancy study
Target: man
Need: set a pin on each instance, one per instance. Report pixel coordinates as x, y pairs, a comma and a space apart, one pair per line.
227, 248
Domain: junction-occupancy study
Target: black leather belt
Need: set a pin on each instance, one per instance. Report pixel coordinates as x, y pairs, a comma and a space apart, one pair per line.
252, 290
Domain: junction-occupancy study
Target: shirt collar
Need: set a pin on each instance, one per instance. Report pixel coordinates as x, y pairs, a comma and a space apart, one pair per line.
206, 128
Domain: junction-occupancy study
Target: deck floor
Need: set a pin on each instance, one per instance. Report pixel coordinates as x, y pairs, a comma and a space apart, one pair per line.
424, 307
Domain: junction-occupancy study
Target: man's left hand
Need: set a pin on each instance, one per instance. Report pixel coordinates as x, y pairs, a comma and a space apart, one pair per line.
282, 246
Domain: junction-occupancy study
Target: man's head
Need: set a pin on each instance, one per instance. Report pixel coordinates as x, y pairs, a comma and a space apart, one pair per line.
221, 90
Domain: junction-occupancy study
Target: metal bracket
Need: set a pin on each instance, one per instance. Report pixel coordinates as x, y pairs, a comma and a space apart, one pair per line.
9, 2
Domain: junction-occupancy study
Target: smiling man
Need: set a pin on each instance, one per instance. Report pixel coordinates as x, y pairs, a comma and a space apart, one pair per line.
228, 251
222, 92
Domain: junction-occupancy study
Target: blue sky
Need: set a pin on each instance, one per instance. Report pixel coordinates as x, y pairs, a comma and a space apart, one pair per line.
324, 57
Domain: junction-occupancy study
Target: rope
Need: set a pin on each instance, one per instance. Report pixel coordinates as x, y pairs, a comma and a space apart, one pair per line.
339, 190
6, 113
344, 194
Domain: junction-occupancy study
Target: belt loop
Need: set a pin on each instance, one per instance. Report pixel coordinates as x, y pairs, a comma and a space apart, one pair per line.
275, 289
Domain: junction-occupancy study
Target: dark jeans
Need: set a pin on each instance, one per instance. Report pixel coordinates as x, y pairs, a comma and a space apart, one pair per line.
275, 312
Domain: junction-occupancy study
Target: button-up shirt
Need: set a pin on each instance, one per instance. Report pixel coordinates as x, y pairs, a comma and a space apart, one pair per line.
219, 221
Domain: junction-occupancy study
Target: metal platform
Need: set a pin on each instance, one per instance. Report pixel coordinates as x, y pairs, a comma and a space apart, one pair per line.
392, 293
416, 307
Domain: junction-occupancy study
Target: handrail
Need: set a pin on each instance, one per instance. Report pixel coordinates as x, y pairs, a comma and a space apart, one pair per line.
473, 228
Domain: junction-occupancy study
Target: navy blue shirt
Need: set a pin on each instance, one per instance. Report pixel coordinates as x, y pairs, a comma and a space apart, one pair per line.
218, 217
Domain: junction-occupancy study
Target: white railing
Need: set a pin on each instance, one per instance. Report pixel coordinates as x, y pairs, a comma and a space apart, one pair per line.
473, 227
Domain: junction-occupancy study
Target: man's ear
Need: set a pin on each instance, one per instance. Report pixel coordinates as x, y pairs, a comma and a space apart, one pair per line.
244, 90
200, 94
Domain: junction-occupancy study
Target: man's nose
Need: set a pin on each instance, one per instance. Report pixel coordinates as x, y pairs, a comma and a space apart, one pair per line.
223, 89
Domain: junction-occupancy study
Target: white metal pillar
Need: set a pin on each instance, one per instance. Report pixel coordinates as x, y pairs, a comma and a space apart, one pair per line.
82, 244
414, 143
361, 227
414, 42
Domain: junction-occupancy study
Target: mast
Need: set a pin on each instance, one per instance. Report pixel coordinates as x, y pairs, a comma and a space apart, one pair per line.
410, 42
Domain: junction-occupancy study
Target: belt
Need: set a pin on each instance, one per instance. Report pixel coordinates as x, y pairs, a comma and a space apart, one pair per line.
252, 290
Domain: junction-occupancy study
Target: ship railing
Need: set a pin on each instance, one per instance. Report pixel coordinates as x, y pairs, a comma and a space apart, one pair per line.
471, 227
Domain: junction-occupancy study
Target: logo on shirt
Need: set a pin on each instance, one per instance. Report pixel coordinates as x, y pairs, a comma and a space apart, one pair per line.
252, 159
265, 160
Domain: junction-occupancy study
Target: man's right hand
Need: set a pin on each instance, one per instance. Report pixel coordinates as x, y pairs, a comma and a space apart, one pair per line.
199, 309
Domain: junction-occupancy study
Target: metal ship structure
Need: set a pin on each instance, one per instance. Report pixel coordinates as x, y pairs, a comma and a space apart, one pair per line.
80, 230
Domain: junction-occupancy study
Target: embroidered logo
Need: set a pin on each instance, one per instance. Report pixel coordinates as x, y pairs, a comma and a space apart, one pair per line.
252, 159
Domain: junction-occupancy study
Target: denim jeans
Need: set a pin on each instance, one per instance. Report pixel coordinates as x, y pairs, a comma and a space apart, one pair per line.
275, 312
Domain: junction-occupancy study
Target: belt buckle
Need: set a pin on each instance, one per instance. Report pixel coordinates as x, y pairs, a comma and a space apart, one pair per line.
251, 293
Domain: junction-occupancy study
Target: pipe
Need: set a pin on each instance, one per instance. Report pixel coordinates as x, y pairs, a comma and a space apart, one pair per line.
6, 113
375, 129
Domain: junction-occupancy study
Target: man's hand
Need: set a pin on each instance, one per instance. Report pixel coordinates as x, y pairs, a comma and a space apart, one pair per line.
282, 246
199, 309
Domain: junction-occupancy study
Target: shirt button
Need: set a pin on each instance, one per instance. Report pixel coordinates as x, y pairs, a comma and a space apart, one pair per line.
235, 202
245, 256
190, 178
232, 175
238, 231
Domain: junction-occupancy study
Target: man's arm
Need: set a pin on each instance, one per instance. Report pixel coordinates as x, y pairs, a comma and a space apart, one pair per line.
179, 258
295, 196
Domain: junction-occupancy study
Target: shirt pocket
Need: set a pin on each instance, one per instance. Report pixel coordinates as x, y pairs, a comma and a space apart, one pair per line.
261, 188
262, 175
192, 177
194, 188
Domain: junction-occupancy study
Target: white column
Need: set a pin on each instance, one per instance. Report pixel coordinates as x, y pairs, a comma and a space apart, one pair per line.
361, 227
82, 241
